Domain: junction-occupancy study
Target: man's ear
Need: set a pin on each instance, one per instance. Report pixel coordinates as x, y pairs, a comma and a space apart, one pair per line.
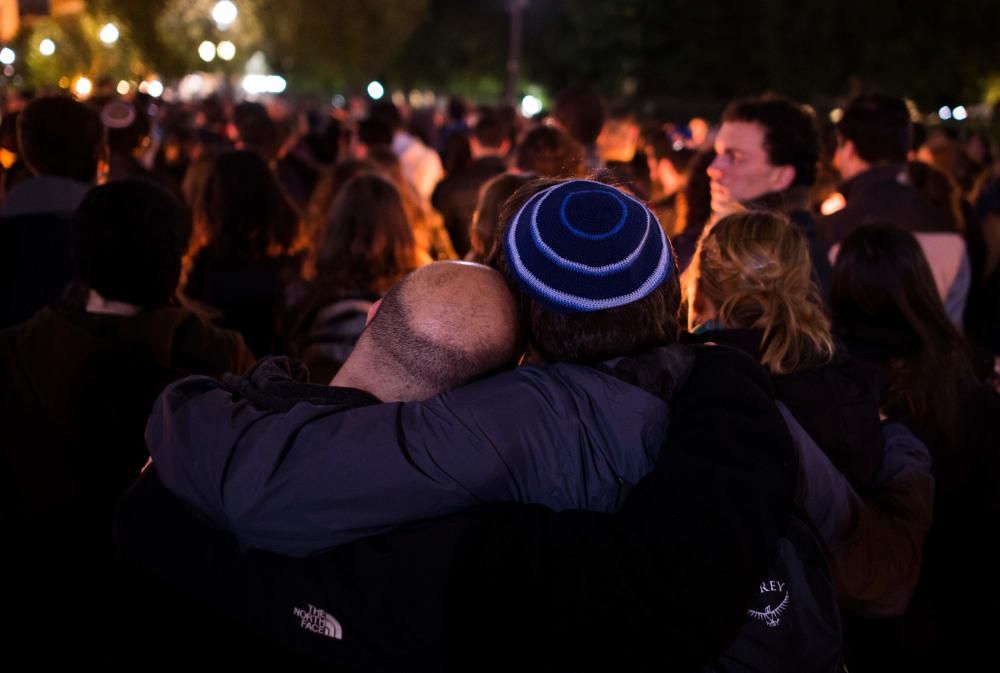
782, 177
372, 311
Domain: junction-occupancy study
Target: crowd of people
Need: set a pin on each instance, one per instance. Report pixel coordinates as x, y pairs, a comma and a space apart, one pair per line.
391, 389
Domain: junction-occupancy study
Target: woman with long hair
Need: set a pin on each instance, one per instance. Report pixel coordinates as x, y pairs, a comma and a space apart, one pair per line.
485, 225
750, 286
242, 258
366, 246
886, 309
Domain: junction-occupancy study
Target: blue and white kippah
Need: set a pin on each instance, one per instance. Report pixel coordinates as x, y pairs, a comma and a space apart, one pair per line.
583, 246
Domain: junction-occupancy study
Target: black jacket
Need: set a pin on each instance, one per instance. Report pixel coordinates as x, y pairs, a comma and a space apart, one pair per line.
663, 583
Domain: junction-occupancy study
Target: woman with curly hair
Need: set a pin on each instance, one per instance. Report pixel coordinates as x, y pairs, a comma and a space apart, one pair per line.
865, 486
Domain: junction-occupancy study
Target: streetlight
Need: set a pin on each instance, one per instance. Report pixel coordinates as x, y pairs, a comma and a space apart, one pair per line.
224, 13
206, 51
226, 50
516, 10
47, 47
109, 33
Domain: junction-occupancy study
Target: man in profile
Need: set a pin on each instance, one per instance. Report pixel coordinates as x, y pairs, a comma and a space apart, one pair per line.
767, 151
873, 139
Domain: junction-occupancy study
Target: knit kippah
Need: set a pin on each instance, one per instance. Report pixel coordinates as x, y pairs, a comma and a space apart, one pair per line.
582, 246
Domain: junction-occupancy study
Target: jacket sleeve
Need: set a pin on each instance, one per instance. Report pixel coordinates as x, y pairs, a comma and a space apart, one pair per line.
875, 543
667, 578
312, 478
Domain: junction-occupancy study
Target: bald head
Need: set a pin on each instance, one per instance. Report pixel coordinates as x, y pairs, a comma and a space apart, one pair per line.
441, 326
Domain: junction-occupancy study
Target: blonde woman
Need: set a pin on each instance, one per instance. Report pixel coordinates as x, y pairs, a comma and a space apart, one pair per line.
750, 286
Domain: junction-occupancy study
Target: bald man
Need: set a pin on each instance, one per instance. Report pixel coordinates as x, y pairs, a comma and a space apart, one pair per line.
439, 327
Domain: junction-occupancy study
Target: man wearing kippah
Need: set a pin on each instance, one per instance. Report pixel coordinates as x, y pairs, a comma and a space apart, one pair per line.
679, 454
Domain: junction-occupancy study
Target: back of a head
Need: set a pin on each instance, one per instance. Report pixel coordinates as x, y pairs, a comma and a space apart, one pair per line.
791, 137
457, 109
490, 131
755, 269
580, 111
387, 113
367, 243
59, 136
127, 124
328, 186
886, 308
374, 133
242, 209
485, 225
257, 131
883, 296
550, 152
879, 126
443, 325
595, 273
128, 240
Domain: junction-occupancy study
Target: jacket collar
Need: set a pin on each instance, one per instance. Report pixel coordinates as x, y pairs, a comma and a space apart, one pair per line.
877, 175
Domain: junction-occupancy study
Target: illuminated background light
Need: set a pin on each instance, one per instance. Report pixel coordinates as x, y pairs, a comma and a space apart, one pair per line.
47, 47
7, 56
226, 50
944, 112
83, 87
224, 13
530, 106
375, 89
960, 113
109, 33
123, 87
206, 51
257, 84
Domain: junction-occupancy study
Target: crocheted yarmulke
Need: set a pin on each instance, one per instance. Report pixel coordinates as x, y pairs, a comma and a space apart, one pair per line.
582, 246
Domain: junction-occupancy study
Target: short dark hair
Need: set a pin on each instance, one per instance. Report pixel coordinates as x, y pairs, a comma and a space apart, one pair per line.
129, 237
374, 133
879, 126
387, 113
592, 337
59, 136
550, 152
581, 112
490, 130
791, 137
257, 131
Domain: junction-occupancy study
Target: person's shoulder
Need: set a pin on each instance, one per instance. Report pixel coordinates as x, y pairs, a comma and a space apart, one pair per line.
728, 364
215, 349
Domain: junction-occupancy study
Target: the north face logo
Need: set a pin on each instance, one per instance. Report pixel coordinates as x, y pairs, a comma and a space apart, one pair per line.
319, 621
773, 594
